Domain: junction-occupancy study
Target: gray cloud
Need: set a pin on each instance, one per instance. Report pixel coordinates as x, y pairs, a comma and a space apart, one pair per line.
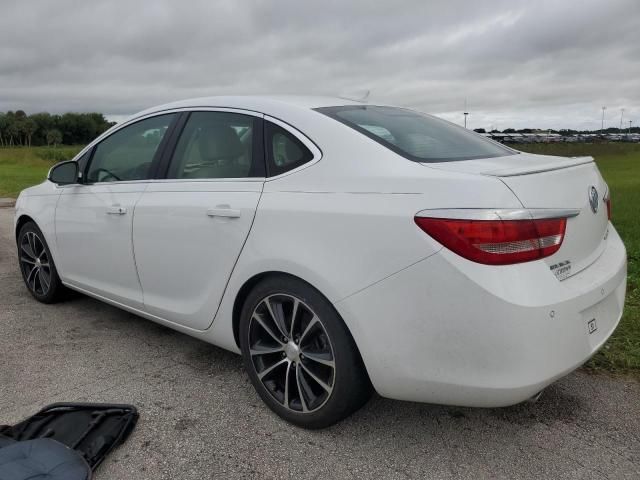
518, 63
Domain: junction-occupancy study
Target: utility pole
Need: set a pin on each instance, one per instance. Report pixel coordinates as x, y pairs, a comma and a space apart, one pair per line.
602, 125
630, 127
465, 113
621, 114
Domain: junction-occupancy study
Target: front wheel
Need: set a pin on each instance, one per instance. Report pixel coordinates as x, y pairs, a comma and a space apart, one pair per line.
299, 354
36, 264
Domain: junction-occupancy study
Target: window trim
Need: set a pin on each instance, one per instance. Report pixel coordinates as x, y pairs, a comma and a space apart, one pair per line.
165, 162
157, 156
313, 148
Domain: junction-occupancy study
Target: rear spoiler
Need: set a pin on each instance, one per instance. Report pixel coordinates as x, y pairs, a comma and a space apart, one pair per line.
554, 164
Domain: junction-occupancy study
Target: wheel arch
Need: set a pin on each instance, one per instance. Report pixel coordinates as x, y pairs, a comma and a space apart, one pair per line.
248, 285
22, 220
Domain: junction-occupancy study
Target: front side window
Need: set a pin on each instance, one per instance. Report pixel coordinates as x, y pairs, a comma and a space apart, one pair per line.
217, 145
128, 153
418, 137
284, 151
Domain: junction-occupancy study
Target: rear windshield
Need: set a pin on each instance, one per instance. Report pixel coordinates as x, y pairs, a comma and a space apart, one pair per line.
418, 137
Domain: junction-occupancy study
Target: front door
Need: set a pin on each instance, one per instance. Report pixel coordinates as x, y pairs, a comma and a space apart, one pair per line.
94, 219
190, 228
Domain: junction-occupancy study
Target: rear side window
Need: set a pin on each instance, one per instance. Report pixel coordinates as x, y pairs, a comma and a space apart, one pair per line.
284, 151
418, 137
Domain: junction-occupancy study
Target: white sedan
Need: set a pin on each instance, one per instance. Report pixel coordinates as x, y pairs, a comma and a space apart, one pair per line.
341, 247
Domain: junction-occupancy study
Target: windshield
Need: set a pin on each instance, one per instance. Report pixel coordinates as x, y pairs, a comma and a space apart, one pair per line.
418, 137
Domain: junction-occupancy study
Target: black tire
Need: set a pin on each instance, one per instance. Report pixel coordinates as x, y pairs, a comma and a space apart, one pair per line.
33, 247
348, 378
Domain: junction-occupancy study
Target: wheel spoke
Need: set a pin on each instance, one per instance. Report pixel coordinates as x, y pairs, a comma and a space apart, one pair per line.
27, 249
268, 370
277, 315
38, 246
34, 275
44, 279
286, 386
294, 312
257, 318
31, 274
27, 260
313, 321
315, 377
299, 383
32, 243
262, 350
323, 358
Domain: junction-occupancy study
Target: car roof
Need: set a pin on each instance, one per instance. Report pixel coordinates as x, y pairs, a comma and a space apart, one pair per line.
275, 105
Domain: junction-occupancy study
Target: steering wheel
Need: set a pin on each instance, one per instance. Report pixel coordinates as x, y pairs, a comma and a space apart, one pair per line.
97, 172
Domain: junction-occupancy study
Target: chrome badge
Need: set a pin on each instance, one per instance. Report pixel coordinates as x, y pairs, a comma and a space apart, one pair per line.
593, 199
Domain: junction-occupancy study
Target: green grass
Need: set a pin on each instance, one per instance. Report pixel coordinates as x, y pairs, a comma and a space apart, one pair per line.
619, 163
620, 166
21, 167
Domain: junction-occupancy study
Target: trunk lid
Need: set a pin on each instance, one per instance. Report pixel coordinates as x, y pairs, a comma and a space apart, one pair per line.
542, 181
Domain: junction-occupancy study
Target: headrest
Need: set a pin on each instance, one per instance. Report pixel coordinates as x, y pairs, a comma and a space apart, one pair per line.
219, 141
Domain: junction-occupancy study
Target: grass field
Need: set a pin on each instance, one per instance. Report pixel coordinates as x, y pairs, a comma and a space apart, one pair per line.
619, 164
21, 167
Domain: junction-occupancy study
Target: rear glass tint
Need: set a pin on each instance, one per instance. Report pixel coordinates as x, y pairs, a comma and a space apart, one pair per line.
418, 137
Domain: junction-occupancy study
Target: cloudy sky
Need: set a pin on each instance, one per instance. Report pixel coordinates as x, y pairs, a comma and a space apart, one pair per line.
534, 63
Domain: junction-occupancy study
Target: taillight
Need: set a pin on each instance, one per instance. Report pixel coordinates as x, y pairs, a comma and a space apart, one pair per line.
607, 201
497, 242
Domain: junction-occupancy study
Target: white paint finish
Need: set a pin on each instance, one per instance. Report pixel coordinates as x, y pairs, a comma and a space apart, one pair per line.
40, 205
433, 333
187, 236
430, 325
94, 245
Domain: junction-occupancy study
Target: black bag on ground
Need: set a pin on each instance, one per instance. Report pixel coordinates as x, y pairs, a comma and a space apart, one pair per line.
64, 441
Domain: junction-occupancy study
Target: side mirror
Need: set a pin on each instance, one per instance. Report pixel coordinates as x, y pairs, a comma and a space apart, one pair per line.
64, 173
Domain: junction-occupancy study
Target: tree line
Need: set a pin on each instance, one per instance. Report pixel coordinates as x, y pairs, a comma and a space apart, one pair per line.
19, 129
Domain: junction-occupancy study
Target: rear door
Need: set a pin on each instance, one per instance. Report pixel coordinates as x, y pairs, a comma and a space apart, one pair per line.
190, 227
94, 219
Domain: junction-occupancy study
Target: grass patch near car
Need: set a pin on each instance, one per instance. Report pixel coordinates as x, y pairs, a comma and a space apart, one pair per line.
22, 167
620, 166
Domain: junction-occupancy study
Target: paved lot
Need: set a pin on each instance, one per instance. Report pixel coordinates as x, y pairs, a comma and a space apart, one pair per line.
200, 417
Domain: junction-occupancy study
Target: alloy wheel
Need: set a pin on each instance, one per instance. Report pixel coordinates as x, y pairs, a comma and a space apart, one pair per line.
291, 353
35, 263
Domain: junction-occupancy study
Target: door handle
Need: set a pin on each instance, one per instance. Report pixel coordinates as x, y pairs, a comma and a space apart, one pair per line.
223, 211
116, 210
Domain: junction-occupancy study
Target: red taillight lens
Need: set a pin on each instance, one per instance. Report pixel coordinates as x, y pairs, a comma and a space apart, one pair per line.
497, 242
607, 201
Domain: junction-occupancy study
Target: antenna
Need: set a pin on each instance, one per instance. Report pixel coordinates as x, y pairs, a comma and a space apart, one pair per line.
465, 113
356, 96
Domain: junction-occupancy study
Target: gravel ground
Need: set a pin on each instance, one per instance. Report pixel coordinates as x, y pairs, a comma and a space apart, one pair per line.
200, 417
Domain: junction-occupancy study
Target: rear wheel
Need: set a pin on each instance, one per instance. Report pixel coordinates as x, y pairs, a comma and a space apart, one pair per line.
36, 264
299, 354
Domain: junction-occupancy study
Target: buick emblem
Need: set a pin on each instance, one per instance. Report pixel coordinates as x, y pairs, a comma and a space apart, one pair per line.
593, 199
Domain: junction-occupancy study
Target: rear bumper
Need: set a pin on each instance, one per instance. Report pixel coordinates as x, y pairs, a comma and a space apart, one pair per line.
449, 331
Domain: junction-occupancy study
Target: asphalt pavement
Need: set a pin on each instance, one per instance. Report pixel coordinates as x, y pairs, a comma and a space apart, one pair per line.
200, 417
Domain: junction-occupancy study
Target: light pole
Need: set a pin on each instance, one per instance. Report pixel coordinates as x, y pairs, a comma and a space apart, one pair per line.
465, 113
621, 114
602, 125
630, 127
